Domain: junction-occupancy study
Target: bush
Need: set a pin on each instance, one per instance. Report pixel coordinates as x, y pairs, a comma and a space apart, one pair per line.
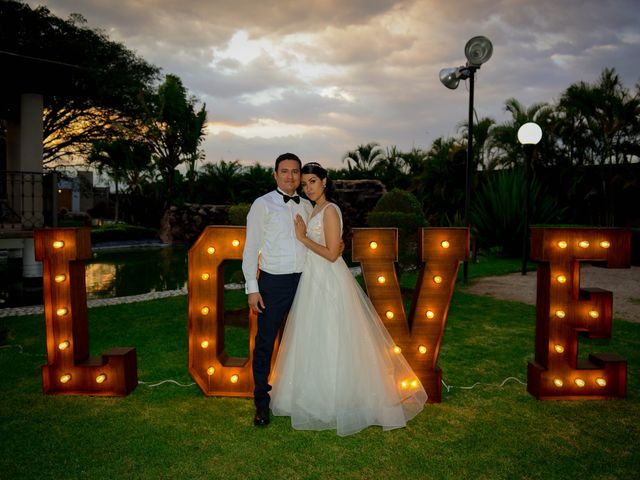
121, 232
497, 212
402, 210
238, 214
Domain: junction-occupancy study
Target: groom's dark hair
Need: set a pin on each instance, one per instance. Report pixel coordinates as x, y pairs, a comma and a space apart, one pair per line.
288, 156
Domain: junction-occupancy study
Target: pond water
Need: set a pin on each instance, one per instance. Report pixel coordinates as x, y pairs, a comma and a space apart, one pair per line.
114, 272
119, 272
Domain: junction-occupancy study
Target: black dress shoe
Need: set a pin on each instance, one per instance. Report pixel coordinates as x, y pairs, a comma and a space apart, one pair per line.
262, 417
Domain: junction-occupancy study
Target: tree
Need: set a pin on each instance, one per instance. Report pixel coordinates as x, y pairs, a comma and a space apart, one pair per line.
175, 129
391, 169
482, 148
363, 159
104, 86
219, 182
123, 160
440, 186
600, 122
504, 137
414, 161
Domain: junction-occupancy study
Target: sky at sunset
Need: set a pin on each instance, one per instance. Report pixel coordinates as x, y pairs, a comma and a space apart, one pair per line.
319, 77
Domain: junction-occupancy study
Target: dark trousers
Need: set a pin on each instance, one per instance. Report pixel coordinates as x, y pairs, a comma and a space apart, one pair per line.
277, 293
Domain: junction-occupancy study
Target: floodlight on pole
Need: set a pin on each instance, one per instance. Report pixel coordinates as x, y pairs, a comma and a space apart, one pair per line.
478, 50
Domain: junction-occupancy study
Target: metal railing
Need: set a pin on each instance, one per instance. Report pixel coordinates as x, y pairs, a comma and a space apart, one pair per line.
26, 200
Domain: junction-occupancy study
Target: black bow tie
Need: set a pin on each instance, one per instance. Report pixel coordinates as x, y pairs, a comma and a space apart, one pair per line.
286, 197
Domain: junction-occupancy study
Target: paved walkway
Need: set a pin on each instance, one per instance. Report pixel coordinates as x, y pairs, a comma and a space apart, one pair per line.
96, 302
624, 283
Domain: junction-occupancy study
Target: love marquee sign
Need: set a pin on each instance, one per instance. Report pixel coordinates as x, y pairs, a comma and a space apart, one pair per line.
563, 310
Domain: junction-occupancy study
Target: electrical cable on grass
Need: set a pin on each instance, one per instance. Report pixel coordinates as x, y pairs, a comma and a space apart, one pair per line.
157, 384
449, 387
140, 382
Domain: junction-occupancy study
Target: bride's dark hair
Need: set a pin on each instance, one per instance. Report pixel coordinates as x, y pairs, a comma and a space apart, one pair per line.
319, 171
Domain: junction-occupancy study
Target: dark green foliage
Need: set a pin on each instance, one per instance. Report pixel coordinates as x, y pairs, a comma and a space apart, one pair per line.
440, 186
401, 210
238, 214
497, 211
120, 232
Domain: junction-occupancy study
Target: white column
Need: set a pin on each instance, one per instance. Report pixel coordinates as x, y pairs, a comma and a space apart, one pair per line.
31, 137
31, 268
31, 106
31, 150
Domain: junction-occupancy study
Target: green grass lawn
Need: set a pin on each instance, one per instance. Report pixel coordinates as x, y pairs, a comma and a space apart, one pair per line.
176, 432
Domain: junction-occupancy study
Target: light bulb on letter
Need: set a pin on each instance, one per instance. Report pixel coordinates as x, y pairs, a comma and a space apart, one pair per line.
373, 245
605, 244
234, 378
557, 382
430, 314
101, 378
389, 314
437, 279
601, 382
579, 382
211, 371
422, 349
211, 250
562, 244
444, 244
60, 278
58, 244
381, 279
235, 243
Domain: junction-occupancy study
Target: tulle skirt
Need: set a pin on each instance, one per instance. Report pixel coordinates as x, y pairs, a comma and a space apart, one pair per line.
336, 368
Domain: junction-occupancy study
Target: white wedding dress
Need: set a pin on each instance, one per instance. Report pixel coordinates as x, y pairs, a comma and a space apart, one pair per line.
336, 368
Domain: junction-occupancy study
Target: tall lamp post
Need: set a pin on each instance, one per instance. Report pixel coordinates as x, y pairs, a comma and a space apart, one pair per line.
529, 135
477, 50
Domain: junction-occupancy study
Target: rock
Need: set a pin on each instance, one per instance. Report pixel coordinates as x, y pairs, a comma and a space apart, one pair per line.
185, 224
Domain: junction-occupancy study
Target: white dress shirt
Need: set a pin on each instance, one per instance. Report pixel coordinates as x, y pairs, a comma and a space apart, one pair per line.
271, 237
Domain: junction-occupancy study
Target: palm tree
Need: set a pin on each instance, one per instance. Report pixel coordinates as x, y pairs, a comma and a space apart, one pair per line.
482, 148
364, 158
218, 182
414, 161
601, 121
504, 137
391, 169
440, 186
123, 160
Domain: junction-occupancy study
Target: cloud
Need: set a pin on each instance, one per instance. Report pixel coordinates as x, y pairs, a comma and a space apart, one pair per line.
320, 77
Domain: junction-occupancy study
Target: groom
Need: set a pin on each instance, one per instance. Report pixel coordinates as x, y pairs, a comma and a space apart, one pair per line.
271, 246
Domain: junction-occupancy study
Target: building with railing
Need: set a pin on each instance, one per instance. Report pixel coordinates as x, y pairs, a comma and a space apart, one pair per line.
27, 195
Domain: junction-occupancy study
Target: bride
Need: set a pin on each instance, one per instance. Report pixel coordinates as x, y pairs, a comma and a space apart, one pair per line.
336, 368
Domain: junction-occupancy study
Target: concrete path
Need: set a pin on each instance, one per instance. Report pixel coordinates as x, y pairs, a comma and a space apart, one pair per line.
624, 283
